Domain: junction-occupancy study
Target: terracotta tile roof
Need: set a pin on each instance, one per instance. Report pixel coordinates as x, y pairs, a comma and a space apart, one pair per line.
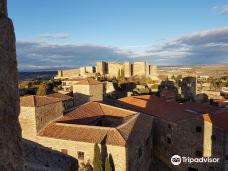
74, 79
63, 97
37, 101
134, 128
158, 107
93, 109
88, 81
219, 119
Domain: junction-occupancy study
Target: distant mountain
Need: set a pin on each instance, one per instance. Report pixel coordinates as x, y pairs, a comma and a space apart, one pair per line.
43, 75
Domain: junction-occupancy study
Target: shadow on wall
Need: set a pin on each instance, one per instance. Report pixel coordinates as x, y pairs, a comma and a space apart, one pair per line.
105, 156
39, 157
80, 99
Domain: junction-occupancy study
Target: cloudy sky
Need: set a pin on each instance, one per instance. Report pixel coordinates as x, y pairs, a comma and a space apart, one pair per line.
54, 34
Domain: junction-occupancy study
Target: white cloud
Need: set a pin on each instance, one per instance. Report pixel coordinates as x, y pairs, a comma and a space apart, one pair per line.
54, 36
205, 47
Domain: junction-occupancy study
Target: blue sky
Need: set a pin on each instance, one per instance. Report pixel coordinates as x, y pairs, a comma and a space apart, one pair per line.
54, 34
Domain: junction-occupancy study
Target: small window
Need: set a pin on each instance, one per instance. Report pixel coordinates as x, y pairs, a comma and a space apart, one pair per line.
80, 155
226, 157
64, 151
140, 152
198, 154
213, 137
168, 140
169, 126
41, 119
198, 129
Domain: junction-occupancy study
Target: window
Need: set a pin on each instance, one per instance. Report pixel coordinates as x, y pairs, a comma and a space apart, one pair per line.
140, 152
213, 137
41, 119
198, 129
198, 154
169, 126
80, 155
64, 151
168, 140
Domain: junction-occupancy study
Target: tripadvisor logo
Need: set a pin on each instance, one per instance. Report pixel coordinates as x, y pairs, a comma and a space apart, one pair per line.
176, 160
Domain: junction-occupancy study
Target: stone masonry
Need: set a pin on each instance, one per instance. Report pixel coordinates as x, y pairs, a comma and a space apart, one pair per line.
11, 157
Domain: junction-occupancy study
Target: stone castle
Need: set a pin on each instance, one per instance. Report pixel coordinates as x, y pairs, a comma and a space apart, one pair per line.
111, 69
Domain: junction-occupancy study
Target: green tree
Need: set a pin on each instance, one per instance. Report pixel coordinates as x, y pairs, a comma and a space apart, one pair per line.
119, 75
42, 89
97, 161
108, 166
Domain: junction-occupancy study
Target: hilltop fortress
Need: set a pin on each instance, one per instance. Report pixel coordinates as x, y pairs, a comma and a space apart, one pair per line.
111, 69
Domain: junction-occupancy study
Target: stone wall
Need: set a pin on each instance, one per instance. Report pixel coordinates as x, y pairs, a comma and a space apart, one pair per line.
140, 153
33, 119
68, 73
72, 148
81, 94
87, 93
28, 122
114, 68
97, 92
139, 68
183, 139
10, 131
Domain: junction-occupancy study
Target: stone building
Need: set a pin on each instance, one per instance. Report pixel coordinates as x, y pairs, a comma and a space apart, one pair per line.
123, 134
188, 130
88, 90
67, 84
130, 69
68, 101
188, 87
85, 71
42, 109
111, 69
70, 73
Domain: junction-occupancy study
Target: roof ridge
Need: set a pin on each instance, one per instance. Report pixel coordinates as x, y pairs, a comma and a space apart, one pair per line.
85, 126
34, 100
132, 117
101, 108
120, 135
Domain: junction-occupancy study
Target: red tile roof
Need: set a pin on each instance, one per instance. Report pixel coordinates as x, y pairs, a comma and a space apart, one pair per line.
61, 96
158, 107
74, 79
219, 119
37, 101
135, 128
88, 81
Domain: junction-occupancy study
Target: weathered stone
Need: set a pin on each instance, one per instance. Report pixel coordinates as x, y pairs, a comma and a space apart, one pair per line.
3, 8
11, 157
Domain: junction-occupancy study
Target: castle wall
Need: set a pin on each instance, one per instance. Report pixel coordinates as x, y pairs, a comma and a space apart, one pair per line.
139, 68
101, 68
114, 68
68, 73
127, 69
